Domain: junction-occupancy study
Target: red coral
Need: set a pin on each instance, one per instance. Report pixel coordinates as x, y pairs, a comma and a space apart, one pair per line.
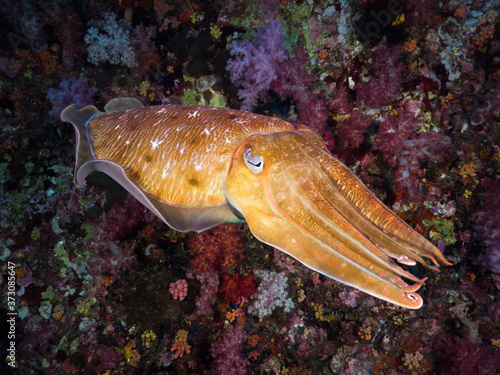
228, 352
234, 286
487, 226
220, 249
37, 339
143, 42
421, 12
69, 33
209, 285
329, 140
339, 102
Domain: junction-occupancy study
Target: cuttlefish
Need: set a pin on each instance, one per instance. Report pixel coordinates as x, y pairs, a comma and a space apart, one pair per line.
198, 167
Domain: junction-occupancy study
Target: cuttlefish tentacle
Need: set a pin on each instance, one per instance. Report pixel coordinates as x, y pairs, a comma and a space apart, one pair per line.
388, 222
396, 238
198, 167
331, 213
330, 230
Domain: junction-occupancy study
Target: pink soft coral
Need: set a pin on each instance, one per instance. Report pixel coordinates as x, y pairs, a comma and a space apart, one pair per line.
351, 131
179, 289
294, 82
460, 357
488, 225
385, 83
209, 286
404, 149
227, 353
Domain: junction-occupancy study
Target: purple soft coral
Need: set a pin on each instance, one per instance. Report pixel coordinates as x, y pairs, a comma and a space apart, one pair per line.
72, 90
227, 353
256, 62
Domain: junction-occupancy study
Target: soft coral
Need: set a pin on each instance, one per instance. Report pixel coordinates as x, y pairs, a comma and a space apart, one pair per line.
404, 148
256, 62
222, 248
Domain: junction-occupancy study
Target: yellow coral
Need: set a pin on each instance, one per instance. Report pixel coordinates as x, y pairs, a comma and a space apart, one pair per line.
144, 87
107, 280
48, 61
35, 234
323, 54
83, 306
495, 343
461, 11
320, 313
231, 315
215, 31
468, 170
129, 353
399, 19
444, 101
399, 320
485, 35
302, 295
148, 337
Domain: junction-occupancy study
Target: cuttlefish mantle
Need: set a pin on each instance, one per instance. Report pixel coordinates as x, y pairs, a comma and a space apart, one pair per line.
198, 167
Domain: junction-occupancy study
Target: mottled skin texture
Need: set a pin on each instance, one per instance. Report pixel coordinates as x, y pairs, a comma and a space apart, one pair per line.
197, 167
178, 154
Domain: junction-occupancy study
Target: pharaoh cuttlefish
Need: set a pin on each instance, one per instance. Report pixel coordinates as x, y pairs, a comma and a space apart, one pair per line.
198, 167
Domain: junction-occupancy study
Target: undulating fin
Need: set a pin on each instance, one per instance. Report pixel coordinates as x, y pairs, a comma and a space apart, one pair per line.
122, 104
195, 219
79, 118
183, 219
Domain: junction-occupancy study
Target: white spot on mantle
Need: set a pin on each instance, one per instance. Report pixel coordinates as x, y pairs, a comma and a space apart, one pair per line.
155, 144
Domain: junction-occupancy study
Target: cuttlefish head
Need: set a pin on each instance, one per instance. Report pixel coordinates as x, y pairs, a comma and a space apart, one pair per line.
297, 197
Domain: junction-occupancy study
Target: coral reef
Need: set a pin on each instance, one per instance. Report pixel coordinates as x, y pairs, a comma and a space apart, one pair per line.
228, 352
110, 41
219, 249
406, 94
256, 63
271, 294
71, 90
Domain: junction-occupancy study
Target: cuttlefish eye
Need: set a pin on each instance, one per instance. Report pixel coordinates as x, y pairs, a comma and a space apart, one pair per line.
254, 163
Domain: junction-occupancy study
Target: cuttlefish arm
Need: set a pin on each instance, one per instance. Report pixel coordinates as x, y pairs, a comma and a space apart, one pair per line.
297, 197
